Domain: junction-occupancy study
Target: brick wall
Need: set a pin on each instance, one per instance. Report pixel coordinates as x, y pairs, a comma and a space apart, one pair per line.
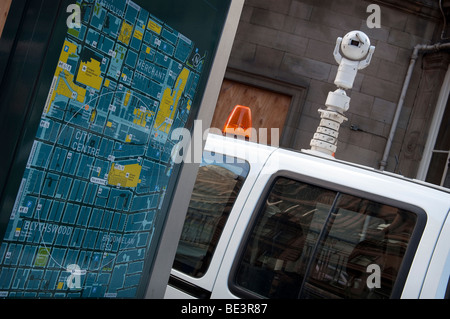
292, 41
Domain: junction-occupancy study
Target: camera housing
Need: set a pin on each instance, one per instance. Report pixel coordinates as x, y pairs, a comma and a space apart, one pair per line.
357, 51
357, 54
355, 45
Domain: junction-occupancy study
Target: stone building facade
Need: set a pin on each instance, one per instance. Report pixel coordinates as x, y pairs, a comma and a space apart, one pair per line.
286, 47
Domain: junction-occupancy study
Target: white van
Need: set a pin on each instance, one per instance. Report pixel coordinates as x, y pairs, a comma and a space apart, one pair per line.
266, 222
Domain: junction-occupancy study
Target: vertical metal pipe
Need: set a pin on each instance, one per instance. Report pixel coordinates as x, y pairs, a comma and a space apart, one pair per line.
399, 108
414, 56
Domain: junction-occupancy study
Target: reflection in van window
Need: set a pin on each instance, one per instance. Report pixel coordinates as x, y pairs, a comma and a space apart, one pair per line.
310, 242
215, 191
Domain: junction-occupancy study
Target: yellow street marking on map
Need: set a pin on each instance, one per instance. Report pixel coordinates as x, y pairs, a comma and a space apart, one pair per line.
94, 113
189, 104
66, 52
125, 33
165, 116
138, 34
141, 117
155, 27
90, 74
124, 175
65, 86
127, 98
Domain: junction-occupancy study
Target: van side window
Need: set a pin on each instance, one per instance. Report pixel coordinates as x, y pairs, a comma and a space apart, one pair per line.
311, 242
218, 184
284, 235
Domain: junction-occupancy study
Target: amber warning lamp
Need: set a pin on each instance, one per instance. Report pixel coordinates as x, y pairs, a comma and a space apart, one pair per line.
239, 122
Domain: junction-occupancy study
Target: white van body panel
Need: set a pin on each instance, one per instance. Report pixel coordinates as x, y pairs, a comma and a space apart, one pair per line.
438, 273
256, 155
429, 272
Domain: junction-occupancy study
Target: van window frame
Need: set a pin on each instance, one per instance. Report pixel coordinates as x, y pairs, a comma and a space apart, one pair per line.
208, 159
407, 259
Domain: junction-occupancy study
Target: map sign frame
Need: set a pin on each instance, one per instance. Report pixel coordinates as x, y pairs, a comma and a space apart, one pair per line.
99, 175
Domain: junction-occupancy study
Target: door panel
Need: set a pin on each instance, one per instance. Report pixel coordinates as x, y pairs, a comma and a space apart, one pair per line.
262, 103
212, 216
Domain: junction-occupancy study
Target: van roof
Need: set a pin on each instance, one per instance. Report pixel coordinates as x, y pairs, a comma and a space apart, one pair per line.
214, 139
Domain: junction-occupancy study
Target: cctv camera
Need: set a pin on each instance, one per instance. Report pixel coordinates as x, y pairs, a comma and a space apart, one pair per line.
355, 45
356, 55
357, 51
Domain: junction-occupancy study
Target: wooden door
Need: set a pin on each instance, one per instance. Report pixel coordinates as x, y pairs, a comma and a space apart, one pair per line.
4, 9
269, 108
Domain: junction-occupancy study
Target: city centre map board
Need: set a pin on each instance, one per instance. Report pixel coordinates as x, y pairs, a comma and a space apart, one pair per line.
100, 169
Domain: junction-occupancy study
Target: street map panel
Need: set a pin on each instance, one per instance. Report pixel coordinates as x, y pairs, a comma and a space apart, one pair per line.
100, 164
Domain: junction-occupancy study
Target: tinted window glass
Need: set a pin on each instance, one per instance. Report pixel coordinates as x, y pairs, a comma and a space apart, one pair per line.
360, 251
216, 189
310, 242
277, 254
